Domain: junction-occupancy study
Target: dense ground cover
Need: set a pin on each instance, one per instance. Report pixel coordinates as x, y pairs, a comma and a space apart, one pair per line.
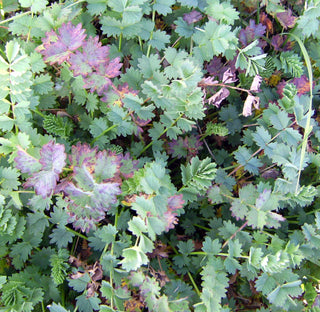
159, 155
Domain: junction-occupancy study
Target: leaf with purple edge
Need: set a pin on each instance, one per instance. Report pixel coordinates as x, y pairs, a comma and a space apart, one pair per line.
26, 163
286, 19
53, 157
83, 154
107, 165
44, 183
58, 48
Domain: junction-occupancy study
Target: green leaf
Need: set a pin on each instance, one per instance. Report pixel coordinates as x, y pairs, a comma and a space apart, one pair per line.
213, 40
224, 12
6, 123
88, 304
43, 84
60, 236
79, 281
211, 247
133, 258
137, 226
57, 308
244, 158
163, 6
36, 5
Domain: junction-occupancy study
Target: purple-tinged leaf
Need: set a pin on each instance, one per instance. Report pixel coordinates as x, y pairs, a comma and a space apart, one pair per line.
53, 157
69, 189
249, 102
97, 82
79, 64
26, 163
83, 155
83, 178
277, 42
107, 165
71, 36
58, 48
128, 166
185, 147
255, 85
251, 33
175, 202
170, 219
93, 54
192, 17
286, 19
44, 183
214, 66
302, 84
105, 195
208, 81
218, 97
229, 76
113, 68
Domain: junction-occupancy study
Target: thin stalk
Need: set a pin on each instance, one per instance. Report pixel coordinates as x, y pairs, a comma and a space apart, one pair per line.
234, 234
308, 127
76, 233
151, 35
15, 17
201, 227
38, 112
120, 42
194, 284
103, 133
221, 254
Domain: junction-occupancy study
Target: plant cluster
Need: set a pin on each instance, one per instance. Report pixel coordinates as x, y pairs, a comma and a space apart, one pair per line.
159, 155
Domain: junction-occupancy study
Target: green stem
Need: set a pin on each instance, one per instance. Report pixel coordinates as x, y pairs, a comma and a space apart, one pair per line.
15, 17
76, 233
39, 113
120, 42
308, 127
163, 132
202, 227
194, 284
151, 35
103, 133
221, 254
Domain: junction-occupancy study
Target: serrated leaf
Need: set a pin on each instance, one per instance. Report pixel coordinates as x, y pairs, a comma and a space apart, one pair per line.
57, 308
133, 258
79, 281
86, 304
244, 157
61, 237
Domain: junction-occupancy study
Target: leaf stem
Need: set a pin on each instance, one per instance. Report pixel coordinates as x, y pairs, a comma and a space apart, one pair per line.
76, 233
308, 127
194, 284
103, 133
234, 234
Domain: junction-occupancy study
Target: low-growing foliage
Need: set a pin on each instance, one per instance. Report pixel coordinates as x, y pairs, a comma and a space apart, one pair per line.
159, 155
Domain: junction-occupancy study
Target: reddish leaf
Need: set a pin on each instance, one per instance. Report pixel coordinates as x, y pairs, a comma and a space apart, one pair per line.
192, 17
302, 84
251, 32
286, 19
265, 20
58, 48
